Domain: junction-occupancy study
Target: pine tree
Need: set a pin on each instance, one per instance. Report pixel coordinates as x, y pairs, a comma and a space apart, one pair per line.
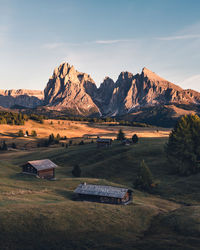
144, 179
120, 135
4, 146
183, 147
58, 137
76, 171
134, 138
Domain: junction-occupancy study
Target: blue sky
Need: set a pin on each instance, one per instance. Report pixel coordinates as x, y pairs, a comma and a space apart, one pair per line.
99, 37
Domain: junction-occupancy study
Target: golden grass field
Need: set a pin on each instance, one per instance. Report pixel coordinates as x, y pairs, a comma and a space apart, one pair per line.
73, 129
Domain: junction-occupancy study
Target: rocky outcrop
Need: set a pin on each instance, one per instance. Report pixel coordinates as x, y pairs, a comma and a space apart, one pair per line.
70, 90
21, 97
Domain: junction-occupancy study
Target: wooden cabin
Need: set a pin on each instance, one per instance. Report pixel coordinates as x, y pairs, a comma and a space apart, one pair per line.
42, 168
104, 194
104, 142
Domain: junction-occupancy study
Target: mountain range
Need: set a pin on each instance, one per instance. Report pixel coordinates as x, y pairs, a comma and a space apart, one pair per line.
73, 92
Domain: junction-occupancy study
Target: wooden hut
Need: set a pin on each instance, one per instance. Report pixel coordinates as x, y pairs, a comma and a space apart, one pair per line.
42, 168
104, 194
104, 142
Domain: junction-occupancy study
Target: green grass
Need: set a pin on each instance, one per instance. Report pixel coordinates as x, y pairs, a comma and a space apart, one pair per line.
41, 214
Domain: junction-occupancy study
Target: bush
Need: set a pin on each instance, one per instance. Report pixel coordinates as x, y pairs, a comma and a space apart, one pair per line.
81, 142
33, 133
183, 147
20, 133
76, 172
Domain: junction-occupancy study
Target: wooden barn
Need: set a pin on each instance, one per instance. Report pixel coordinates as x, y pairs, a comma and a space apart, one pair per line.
43, 168
104, 142
104, 194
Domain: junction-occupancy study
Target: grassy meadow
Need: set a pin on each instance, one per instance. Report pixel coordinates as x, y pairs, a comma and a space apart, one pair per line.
42, 214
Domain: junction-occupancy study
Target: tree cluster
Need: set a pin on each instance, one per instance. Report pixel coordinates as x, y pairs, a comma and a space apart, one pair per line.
3, 146
183, 147
12, 118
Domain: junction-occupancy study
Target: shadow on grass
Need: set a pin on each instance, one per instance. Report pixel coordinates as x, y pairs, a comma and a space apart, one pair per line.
66, 194
9, 134
23, 177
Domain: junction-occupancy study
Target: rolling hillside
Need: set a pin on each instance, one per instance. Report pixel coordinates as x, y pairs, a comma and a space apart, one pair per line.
32, 208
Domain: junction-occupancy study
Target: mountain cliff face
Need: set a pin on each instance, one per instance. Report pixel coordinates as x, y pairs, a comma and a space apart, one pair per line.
76, 93
70, 90
21, 97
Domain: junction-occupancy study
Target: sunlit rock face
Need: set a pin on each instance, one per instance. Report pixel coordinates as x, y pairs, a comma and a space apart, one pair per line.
76, 93
70, 90
21, 97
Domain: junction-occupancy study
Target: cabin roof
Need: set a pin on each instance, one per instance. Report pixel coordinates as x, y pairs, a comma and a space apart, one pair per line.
42, 164
99, 190
106, 140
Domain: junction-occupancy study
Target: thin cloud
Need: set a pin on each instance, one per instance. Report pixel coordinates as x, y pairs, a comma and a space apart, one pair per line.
55, 45
192, 82
182, 37
52, 45
113, 41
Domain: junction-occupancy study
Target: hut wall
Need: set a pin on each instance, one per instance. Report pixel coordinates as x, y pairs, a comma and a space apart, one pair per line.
47, 173
29, 169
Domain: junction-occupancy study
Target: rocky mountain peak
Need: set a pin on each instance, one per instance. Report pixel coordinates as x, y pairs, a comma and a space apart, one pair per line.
71, 90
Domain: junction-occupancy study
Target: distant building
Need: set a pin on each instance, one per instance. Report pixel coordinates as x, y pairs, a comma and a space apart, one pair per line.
43, 168
104, 194
104, 142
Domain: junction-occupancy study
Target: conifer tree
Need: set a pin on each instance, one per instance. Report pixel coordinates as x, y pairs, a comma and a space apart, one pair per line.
76, 171
120, 135
183, 147
134, 138
4, 146
144, 179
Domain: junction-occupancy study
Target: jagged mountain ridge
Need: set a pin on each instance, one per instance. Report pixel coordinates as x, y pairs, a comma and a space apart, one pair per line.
76, 93
71, 90
21, 97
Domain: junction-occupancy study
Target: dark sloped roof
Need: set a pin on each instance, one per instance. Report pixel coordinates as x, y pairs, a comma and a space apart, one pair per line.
42, 164
100, 190
104, 140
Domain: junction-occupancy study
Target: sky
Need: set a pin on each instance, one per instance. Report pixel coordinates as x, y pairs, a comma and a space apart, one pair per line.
99, 37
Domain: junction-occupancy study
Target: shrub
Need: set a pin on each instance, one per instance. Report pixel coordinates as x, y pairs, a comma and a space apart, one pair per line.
20, 133
81, 142
33, 133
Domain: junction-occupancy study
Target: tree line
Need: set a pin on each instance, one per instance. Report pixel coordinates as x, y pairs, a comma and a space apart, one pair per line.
13, 118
